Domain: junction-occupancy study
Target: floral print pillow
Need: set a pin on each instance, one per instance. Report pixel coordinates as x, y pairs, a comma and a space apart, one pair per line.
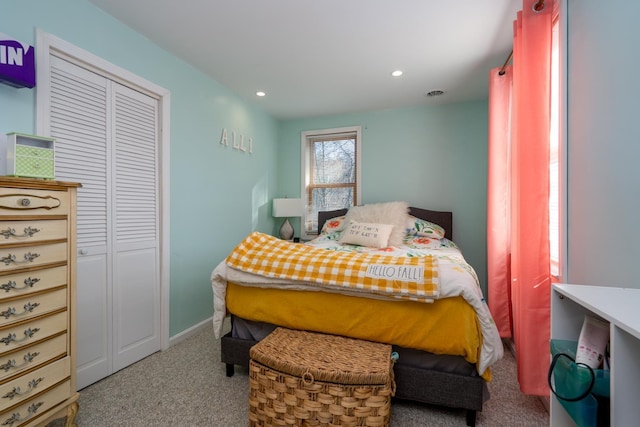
421, 228
333, 227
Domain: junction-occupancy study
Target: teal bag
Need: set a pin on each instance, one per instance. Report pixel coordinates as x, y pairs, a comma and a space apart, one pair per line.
583, 392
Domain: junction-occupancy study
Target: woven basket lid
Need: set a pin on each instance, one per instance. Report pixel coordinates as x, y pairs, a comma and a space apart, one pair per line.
321, 357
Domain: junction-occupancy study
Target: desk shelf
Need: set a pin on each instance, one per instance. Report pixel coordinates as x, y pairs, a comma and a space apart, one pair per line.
621, 308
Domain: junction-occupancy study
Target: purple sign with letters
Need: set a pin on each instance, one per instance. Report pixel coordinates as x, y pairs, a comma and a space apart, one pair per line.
17, 63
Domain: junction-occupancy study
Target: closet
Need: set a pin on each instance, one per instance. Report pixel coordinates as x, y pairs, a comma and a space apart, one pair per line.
107, 138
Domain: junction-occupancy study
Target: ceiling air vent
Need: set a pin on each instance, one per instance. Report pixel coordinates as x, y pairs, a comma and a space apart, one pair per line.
436, 92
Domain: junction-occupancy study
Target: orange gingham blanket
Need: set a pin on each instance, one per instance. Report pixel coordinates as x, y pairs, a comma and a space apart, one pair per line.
408, 278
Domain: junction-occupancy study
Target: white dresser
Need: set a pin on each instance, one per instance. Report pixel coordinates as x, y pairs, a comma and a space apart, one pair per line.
37, 301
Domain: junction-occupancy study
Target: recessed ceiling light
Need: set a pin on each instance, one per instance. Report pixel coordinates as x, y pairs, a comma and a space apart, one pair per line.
436, 92
261, 93
396, 73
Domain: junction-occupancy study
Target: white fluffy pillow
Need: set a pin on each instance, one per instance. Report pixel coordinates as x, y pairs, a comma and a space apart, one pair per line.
394, 213
367, 234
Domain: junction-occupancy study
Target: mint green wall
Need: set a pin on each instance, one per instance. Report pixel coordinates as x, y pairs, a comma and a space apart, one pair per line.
218, 195
431, 157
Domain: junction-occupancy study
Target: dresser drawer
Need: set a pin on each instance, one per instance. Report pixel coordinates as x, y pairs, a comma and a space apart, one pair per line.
22, 388
30, 151
18, 284
35, 162
32, 306
35, 166
15, 201
17, 336
32, 231
31, 256
27, 358
32, 408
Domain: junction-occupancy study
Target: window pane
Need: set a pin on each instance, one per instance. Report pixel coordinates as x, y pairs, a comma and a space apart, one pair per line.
334, 161
330, 173
554, 158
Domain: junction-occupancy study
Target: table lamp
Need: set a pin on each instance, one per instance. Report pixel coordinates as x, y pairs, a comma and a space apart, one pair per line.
285, 208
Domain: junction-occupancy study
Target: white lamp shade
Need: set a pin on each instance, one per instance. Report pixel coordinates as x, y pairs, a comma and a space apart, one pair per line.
283, 208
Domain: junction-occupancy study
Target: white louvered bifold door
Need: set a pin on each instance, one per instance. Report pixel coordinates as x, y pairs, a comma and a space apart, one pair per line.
105, 139
135, 211
79, 120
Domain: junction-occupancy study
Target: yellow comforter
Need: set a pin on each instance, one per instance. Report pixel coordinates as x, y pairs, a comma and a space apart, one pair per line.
429, 327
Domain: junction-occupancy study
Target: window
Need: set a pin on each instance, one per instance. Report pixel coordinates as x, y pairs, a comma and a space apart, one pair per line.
330, 172
554, 156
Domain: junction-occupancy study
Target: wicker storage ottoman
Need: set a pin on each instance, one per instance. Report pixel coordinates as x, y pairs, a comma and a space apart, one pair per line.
299, 378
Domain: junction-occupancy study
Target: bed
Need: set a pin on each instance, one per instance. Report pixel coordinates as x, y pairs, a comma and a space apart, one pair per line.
445, 337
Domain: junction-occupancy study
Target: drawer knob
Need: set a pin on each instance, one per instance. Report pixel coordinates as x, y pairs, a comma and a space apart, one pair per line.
24, 202
17, 392
11, 311
11, 232
17, 418
28, 283
28, 257
28, 333
11, 363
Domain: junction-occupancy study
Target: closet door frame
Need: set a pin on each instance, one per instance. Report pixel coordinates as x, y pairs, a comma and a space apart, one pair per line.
48, 44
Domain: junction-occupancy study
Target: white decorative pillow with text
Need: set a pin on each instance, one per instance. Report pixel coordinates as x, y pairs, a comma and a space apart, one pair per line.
392, 213
367, 234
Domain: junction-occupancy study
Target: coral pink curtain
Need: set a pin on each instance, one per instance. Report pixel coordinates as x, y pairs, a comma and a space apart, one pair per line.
498, 200
518, 196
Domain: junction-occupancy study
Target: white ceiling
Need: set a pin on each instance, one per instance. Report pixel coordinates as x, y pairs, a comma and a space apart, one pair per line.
319, 57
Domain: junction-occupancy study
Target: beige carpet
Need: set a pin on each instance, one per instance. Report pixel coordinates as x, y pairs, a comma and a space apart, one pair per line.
186, 386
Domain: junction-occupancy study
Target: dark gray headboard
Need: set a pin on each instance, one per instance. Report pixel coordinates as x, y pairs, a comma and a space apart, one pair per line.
442, 218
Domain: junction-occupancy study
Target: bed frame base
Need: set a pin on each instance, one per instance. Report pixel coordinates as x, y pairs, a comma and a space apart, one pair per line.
421, 385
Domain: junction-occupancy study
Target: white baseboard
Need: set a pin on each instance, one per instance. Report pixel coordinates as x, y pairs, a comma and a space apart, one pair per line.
190, 332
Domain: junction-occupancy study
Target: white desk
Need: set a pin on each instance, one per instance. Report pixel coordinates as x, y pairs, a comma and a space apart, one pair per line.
621, 308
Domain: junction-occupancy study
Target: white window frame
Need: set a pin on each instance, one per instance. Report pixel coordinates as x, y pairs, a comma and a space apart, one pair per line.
306, 168
558, 255
554, 159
